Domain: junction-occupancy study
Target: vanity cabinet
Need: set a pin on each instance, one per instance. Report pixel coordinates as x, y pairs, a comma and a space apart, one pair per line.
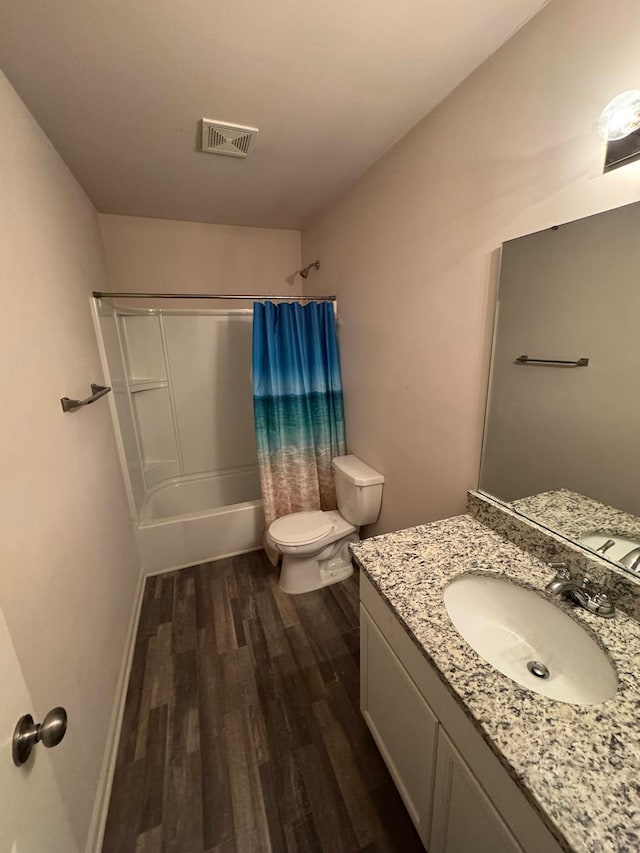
464, 818
402, 724
456, 791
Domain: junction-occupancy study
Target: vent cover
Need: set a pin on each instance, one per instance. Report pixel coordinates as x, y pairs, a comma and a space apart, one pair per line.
234, 140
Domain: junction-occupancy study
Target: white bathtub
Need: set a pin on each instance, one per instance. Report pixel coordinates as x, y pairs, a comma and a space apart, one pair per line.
194, 519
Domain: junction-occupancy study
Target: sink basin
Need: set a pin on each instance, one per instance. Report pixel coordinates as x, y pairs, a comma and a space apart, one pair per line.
521, 633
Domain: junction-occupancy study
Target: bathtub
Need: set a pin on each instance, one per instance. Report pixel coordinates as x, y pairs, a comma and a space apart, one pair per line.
195, 519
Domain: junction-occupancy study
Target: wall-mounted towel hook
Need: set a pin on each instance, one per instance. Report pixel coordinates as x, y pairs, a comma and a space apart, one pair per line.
97, 391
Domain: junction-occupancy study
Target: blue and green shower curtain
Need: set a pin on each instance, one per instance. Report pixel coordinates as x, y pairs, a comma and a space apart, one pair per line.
297, 403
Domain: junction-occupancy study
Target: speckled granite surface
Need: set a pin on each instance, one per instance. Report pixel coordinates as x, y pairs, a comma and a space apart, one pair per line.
573, 515
579, 765
549, 546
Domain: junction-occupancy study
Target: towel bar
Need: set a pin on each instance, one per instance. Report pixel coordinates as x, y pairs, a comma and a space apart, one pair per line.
97, 391
524, 359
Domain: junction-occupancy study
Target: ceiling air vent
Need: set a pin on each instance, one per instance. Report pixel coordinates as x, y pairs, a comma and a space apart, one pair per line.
234, 140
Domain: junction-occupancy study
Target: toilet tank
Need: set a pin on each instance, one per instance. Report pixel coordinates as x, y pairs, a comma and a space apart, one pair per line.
358, 490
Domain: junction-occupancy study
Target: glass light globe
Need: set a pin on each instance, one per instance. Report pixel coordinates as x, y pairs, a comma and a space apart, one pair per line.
621, 116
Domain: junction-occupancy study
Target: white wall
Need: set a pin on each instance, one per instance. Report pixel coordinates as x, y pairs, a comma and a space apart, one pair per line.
411, 250
163, 255
69, 566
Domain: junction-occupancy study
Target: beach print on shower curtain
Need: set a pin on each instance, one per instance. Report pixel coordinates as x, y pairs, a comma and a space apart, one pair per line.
297, 403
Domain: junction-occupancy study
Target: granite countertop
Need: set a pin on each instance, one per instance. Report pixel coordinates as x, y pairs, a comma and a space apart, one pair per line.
573, 515
578, 764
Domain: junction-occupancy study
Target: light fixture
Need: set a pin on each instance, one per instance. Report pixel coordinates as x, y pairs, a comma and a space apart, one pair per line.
621, 116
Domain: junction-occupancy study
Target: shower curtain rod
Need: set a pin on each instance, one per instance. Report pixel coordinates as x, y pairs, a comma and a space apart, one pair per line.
100, 294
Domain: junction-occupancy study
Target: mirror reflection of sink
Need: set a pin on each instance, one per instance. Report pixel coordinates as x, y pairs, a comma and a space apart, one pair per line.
530, 639
622, 546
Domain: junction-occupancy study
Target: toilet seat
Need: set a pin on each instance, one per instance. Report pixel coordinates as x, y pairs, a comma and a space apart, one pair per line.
301, 528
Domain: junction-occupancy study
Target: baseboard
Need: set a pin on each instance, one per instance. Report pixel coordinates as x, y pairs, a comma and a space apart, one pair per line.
103, 795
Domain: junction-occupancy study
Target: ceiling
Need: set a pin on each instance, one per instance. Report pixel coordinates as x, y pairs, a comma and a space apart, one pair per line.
119, 87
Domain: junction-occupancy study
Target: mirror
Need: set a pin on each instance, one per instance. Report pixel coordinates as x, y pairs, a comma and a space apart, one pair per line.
562, 425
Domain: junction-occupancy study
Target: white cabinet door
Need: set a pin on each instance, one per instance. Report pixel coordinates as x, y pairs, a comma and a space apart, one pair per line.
464, 818
400, 721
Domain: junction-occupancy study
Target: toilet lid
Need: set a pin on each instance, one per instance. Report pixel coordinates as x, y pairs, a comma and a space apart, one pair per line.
300, 528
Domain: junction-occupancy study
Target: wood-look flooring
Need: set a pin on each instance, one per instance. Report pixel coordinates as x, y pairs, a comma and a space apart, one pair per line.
242, 731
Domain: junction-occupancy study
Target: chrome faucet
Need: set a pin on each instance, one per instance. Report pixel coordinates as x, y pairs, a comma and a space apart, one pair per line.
605, 546
563, 582
583, 592
631, 560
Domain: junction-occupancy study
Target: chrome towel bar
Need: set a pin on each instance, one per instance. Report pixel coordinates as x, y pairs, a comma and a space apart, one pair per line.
524, 359
97, 391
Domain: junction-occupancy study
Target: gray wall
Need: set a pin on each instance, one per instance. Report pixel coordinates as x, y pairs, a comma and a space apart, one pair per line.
564, 294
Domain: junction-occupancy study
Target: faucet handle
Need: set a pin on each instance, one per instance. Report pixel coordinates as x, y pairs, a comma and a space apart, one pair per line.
604, 605
561, 569
591, 588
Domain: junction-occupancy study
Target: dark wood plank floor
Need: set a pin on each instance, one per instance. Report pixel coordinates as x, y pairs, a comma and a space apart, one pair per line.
242, 730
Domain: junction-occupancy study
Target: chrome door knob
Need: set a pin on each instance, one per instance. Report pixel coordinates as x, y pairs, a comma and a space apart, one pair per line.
27, 733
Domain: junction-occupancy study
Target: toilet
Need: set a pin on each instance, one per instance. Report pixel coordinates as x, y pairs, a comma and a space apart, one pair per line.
315, 545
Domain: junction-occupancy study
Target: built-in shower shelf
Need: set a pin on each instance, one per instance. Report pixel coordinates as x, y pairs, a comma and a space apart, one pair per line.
136, 385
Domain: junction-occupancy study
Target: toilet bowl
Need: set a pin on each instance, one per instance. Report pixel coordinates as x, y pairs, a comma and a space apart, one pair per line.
315, 545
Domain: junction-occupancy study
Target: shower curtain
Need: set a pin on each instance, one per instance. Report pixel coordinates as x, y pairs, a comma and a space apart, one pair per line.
297, 405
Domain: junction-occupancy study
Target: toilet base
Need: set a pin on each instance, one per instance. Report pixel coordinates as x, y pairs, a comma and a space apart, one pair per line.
304, 574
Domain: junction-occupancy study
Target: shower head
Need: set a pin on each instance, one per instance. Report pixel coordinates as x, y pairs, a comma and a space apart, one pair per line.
314, 266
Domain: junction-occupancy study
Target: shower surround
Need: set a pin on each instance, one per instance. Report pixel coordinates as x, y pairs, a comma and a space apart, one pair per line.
182, 406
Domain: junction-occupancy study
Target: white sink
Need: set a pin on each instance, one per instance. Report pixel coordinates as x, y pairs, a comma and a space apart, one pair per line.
512, 627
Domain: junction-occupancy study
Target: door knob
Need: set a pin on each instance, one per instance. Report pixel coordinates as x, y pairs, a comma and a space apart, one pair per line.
27, 733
